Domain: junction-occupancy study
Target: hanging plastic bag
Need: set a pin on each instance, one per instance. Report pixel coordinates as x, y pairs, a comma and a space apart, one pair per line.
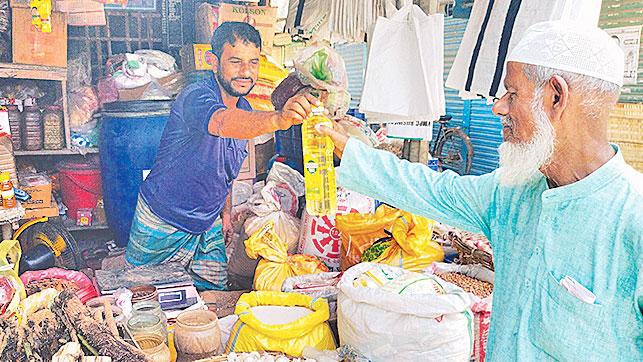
323, 69
404, 74
276, 265
280, 322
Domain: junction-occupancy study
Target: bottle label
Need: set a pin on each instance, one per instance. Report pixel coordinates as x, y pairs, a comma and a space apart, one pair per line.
8, 194
312, 167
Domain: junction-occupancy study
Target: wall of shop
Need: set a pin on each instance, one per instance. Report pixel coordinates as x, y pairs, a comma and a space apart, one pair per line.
621, 13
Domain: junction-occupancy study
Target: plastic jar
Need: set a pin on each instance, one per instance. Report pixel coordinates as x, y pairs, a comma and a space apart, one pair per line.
151, 306
6, 188
15, 125
197, 333
154, 347
54, 135
147, 324
32, 131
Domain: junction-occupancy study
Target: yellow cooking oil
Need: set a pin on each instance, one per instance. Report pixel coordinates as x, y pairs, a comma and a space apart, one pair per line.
319, 171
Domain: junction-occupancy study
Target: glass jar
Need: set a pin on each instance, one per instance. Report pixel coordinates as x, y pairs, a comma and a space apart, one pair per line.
154, 347
15, 125
32, 130
146, 324
54, 135
197, 333
150, 306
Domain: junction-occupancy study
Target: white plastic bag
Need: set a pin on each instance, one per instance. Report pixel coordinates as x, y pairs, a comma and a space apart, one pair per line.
278, 201
404, 74
387, 326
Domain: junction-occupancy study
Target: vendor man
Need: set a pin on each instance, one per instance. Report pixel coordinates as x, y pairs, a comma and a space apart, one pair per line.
563, 206
203, 145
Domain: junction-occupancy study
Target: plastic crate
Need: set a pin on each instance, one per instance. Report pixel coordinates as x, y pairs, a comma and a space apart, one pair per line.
288, 145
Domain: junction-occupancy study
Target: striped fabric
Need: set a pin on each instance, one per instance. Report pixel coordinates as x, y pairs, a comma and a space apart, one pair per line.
153, 241
494, 28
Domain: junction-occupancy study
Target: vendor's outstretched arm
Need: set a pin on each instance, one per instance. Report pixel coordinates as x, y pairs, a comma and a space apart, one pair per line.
240, 124
461, 201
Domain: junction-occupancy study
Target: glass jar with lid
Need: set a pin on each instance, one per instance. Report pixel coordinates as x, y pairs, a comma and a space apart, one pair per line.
144, 323
150, 306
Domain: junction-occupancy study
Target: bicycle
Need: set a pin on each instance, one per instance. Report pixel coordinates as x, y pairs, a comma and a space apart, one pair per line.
452, 148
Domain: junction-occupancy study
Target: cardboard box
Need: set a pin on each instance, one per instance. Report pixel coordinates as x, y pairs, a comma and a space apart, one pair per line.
82, 12
51, 211
31, 46
263, 18
248, 170
196, 57
39, 188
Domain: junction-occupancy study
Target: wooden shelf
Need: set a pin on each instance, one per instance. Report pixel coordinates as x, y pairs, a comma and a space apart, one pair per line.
66, 151
70, 225
28, 71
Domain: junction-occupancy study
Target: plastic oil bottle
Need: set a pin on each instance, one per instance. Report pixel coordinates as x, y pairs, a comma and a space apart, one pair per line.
319, 171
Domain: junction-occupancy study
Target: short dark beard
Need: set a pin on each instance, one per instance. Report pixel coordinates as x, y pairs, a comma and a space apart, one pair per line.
227, 86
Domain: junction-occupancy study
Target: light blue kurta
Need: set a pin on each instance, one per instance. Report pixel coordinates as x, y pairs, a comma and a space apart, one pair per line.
591, 230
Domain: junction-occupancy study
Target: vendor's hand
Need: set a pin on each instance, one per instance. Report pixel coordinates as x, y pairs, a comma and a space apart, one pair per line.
227, 229
337, 134
296, 110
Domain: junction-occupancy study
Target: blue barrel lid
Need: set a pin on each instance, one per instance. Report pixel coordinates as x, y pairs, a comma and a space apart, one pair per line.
140, 108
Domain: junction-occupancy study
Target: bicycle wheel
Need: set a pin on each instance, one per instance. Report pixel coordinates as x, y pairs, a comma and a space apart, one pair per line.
454, 151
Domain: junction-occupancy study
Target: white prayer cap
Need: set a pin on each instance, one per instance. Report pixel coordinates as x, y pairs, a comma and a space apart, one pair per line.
573, 47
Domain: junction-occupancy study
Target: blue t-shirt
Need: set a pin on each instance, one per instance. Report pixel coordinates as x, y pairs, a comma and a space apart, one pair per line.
194, 170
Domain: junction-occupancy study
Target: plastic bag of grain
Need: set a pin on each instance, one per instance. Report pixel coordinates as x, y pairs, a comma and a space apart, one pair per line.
280, 322
392, 314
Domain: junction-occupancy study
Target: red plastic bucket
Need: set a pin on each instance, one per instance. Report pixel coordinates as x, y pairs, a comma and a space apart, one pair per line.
80, 186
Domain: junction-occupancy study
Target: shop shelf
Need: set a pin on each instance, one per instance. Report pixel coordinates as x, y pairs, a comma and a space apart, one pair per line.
65, 151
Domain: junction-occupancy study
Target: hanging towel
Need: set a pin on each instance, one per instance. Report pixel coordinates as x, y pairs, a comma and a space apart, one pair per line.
495, 26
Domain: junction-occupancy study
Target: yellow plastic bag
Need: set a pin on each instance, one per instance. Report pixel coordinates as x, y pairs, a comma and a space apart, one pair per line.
412, 247
276, 265
250, 334
410, 235
269, 77
36, 302
12, 290
360, 231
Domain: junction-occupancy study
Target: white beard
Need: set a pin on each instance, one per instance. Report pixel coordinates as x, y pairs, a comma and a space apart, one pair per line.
520, 162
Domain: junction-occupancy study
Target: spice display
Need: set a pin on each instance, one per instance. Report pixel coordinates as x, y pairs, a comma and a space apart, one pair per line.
54, 136
32, 140
470, 285
15, 120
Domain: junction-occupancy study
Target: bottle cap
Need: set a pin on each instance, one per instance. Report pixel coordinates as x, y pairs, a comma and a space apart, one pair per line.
319, 110
5, 176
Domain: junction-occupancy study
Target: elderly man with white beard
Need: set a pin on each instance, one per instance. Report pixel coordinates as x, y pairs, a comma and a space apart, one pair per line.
563, 213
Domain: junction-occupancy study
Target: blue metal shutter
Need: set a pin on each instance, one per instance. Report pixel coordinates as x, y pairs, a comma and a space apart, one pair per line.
473, 116
354, 55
